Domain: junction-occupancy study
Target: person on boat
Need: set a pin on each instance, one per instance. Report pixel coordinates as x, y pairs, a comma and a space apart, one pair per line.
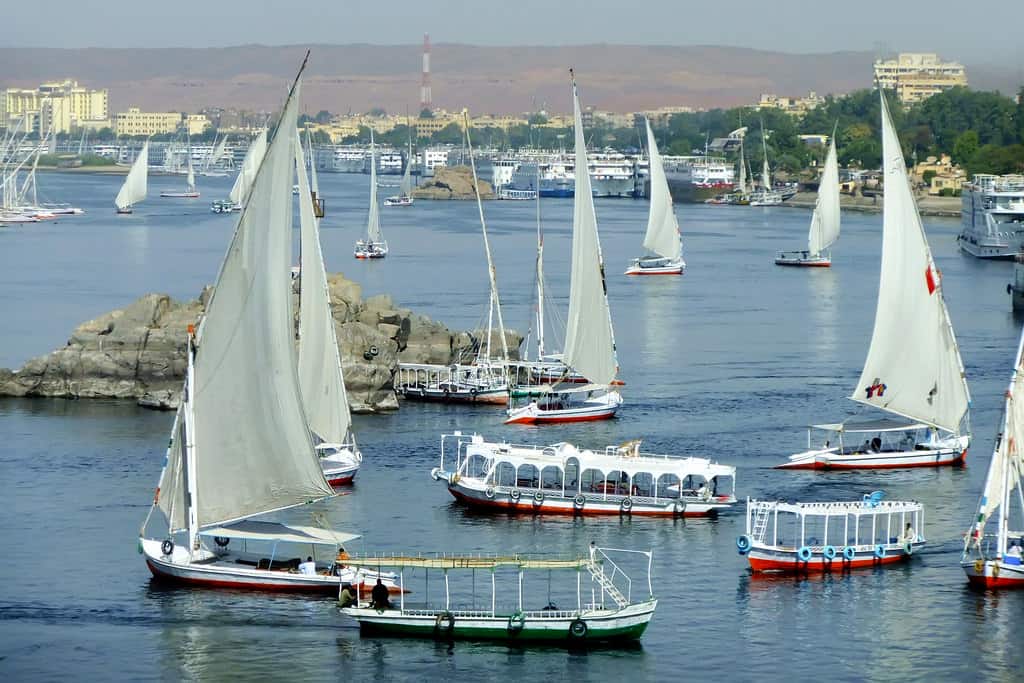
379, 596
346, 598
702, 492
1014, 550
308, 567
909, 535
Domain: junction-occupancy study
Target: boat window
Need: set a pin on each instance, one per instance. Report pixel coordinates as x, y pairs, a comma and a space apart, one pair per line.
592, 480
477, 466
528, 476
667, 486
572, 474
504, 474
551, 478
643, 484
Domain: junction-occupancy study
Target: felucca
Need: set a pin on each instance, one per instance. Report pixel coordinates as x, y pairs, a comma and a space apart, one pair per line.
241, 446
993, 560
133, 190
824, 221
404, 197
589, 338
662, 236
913, 370
246, 176
373, 246
190, 179
321, 379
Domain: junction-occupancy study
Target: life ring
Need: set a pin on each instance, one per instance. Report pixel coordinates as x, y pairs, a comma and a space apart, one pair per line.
515, 494
538, 497
908, 548
516, 622
829, 552
578, 629
879, 550
849, 553
489, 492
995, 570
679, 507
743, 544
167, 547
626, 505
579, 501
979, 566
445, 622
804, 554
221, 541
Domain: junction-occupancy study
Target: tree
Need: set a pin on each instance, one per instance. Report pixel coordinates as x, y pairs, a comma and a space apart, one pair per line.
965, 147
323, 116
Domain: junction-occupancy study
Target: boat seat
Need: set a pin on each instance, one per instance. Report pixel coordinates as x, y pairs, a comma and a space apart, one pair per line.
265, 563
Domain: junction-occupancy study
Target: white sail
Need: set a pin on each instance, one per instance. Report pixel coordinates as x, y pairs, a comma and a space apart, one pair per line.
825, 220
373, 233
405, 189
320, 375
589, 340
171, 490
662, 235
252, 449
134, 188
743, 171
218, 152
766, 174
314, 181
190, 179
913, 367
251, 164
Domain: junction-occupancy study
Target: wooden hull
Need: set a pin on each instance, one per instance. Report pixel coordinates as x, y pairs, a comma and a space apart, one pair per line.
994, 574
867, 461
654, 271
553, 503
598, 626
340, 476
180, 195
767, 559
561, 416
804, 263
490, 396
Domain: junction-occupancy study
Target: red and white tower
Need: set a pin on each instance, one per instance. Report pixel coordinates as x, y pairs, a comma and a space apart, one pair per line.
425, 102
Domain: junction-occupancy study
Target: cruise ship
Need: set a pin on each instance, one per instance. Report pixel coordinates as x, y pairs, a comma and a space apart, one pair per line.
992, 216
349, 160
557, 177
611, 175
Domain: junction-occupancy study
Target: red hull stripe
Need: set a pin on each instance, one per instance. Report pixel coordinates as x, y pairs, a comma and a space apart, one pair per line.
526, 507
958, 460
838, 564
529, 420
994, 582
663, 272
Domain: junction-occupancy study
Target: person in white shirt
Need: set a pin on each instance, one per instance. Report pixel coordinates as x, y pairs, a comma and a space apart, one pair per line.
1014, 550
308, 567
909, 535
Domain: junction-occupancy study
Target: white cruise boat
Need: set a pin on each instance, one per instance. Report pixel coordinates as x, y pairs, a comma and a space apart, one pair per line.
502, 171
611, 174
349, 160
992, 216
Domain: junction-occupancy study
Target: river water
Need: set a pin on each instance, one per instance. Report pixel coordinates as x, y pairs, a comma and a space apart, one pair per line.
728, 362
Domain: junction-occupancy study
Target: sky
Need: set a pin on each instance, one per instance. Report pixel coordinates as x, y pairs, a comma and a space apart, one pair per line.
795, 26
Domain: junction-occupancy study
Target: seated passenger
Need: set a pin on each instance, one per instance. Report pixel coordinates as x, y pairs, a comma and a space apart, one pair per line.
1014, 550
379, 596
308, 567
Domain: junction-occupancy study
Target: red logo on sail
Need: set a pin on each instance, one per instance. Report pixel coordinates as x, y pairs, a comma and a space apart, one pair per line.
930, 278
876, 390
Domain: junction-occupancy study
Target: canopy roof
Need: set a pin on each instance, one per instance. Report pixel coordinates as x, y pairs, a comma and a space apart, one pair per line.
845, 507
467, 562
277, 531
881, 425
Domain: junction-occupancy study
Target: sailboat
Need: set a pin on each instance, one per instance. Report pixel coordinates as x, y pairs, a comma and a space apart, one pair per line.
133, 190
485, 379
589, 338
662, 236
993, 560
404, 196
913, 370
765, 195
374, 246
321, 381
211, 168
246, 176
240, 446
824, 221
190, 179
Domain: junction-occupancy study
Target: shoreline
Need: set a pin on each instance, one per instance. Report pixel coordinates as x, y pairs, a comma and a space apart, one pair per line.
940, 207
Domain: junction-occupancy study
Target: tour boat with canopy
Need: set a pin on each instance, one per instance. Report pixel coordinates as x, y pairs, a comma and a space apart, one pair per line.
321, 380
831, 536
240, 445
486, 378
246, 175
993, 560
662, 236
824, 221
133, 190
913, 368
602, 609
563, 479
373, 246
589, 337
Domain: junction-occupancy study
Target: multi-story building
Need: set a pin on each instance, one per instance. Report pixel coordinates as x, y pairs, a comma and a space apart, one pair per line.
196, 124
140, 123
56, 107
916, 76
797, 106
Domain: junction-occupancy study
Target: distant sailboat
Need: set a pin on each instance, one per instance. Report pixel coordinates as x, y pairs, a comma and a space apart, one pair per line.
321, 381
133, 190
993, 560
374, 246
190, 179
824, 222
589, 338
211, 167
913, 369
662, 236
765, 195
404, 196
246, 175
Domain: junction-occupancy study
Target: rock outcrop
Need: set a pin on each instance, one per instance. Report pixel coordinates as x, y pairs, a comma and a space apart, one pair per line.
139, 352
455, 182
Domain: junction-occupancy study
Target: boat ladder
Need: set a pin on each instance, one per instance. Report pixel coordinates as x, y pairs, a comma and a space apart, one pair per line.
606, 583
761, 517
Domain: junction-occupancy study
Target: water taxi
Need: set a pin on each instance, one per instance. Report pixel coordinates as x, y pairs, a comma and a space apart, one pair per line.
603, 612
563, 479
834, 536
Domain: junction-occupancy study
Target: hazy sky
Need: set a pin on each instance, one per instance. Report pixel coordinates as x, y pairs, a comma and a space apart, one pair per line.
782, 25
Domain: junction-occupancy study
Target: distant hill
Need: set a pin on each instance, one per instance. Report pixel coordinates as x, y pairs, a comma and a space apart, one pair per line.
356, 78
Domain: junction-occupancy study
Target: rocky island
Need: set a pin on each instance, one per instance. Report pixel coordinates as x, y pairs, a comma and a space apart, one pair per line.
454, 182
138, 352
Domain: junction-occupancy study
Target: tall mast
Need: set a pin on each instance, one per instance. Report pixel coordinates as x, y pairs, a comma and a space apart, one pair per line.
540, 276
